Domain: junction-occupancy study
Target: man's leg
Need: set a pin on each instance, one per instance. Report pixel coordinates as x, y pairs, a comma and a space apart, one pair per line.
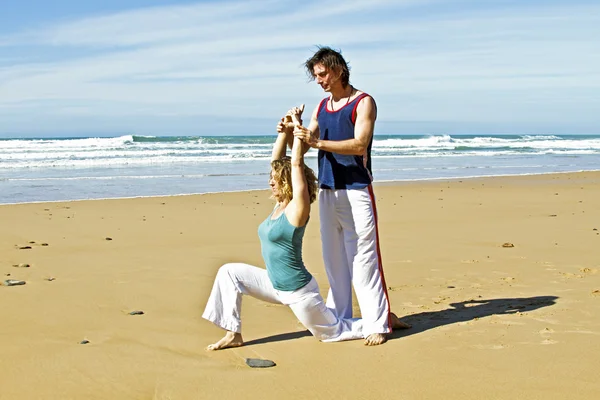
362, 246
339, 273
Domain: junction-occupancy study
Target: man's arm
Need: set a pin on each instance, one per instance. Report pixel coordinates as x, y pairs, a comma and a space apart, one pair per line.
312, 130
366, 114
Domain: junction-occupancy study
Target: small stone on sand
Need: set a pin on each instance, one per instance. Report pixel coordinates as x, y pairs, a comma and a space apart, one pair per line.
22, 265
508, 245
13, 282
108, 238
136, 312
84, 341
259, 363
24, 247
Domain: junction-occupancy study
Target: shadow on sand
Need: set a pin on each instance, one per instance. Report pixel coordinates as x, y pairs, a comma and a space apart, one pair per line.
470, 310
278, 338
459, 312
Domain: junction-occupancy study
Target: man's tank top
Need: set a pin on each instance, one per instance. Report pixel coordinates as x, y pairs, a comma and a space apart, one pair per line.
338, 171
281, 244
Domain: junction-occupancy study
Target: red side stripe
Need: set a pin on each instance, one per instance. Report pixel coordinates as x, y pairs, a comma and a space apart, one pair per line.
320, 106
380, 266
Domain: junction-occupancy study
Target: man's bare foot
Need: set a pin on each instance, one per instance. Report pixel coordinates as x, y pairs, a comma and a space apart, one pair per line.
397, 324
231, 339
375, 339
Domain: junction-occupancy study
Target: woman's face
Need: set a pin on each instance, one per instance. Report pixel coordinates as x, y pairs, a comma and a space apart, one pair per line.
275, 187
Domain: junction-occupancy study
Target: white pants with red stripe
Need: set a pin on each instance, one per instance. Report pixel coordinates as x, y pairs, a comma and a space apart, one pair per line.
352, 258
234, 280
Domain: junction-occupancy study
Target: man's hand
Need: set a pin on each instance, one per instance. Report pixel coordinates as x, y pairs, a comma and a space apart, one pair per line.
292, 118
306, 136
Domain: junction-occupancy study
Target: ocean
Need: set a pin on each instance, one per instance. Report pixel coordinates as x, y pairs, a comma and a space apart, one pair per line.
58, 169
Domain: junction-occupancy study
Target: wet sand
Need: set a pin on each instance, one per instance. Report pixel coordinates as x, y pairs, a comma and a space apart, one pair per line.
489, 322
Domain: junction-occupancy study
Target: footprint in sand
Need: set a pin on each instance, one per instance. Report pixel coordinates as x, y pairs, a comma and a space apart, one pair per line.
546, 331
440, 299
570, 275
588, 271
490, 346
549, 341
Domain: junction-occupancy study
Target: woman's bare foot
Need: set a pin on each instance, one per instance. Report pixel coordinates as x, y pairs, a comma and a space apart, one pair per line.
231, 339
397, 324
375, 339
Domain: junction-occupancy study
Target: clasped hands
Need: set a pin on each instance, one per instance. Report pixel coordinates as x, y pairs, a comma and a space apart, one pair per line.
291, 124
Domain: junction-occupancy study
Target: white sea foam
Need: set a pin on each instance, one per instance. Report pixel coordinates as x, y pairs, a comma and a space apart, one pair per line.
131, 166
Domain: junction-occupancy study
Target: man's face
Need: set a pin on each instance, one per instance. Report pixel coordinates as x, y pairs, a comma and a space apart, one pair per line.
325, 77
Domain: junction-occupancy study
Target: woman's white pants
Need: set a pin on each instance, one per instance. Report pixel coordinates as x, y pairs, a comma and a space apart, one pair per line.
234, 280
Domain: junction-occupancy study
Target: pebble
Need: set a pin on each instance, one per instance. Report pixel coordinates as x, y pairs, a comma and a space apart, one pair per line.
508, 245
51, 279
13, 282
136, 312
108, 238
259, 363
22, 265
84, 341
24, 247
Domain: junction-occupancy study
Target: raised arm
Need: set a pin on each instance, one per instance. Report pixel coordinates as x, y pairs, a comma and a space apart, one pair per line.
287, 124
279, 147
298, 210
366, 114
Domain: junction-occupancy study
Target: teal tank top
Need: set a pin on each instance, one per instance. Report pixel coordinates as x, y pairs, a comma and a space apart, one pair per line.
281, 245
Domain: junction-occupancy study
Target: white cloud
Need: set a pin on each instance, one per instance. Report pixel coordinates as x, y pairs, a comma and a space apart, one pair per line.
215, 59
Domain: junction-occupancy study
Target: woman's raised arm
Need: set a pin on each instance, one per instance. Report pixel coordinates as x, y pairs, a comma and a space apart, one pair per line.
298, 210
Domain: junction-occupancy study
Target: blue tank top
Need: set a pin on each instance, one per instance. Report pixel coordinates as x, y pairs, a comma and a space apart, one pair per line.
339, 171
281, 245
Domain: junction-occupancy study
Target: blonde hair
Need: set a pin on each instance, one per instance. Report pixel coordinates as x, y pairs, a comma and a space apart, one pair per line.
281, 170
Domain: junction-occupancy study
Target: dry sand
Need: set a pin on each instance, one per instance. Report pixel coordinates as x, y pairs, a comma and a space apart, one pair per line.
489, 322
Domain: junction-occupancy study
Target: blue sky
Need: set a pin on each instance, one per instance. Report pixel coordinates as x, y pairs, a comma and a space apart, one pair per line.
152, 67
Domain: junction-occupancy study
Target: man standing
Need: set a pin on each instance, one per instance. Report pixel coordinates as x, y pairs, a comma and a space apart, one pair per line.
341, 128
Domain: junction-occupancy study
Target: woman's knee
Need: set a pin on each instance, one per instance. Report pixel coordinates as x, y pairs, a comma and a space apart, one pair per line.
226, 271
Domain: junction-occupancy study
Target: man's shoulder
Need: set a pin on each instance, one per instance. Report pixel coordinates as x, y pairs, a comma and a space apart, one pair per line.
365, 99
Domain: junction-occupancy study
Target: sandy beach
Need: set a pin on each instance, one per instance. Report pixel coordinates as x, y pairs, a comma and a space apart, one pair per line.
489, 322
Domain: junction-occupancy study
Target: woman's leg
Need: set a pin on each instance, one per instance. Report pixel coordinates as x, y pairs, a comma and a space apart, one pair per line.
309, 307
224, 305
